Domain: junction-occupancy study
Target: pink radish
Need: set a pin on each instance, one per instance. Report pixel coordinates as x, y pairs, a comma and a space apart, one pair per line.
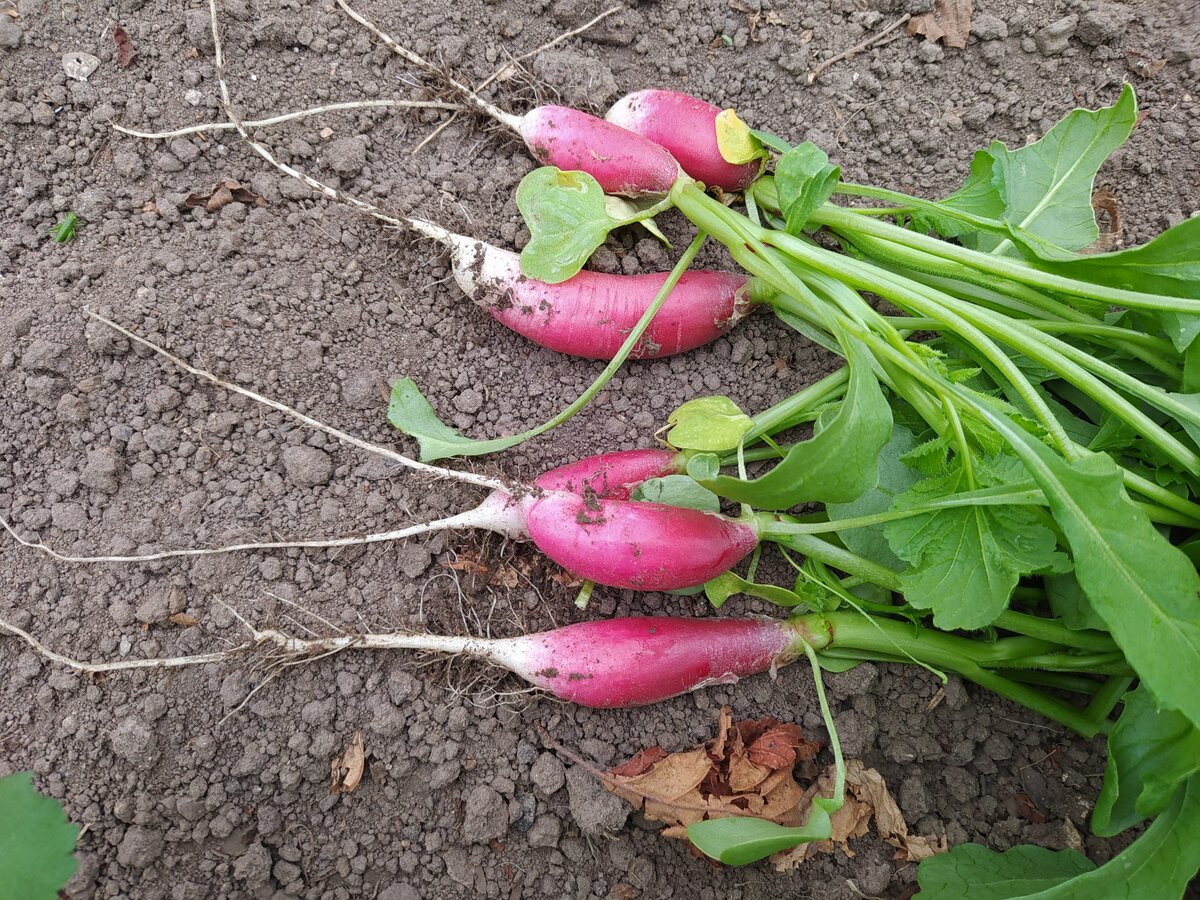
643, 546
621, 161
612, 475
634, 661
686, 127
591, 314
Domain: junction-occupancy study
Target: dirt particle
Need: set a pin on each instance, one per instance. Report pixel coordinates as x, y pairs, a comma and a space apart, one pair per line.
307, 466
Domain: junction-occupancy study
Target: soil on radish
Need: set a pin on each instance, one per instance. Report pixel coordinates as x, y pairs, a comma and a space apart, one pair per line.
102, 448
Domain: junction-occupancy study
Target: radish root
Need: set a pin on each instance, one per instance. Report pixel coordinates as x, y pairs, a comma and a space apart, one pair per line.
288, 117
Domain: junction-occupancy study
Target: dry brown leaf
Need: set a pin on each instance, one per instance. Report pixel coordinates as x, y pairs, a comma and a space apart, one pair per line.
756, 17
223, 193
948, 22
353, 760
125, 49
719, 778
867, 798
183, 619
11, 13
1141, 64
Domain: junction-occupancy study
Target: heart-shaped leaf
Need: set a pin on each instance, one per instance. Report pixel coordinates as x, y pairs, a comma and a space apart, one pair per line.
708, 423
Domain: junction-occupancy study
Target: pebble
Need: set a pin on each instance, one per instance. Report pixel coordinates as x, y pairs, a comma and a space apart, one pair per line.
548, 774
307, 466
595, 810
485, 815
10, 34
134, 741
546, 831
103, 467
987, 27
347, 156
1055, 37
253, 866
43, 355
1102, 23
140, 846
469, 401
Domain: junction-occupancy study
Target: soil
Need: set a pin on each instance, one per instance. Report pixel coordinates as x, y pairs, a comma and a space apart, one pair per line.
186, 789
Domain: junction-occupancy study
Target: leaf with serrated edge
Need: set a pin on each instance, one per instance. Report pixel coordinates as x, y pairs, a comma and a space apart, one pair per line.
37, 842
965, 561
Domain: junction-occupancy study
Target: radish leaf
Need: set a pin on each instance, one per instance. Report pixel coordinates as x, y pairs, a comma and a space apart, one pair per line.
708, 423
839, 463
1149, 753
740, 840
567, 218
677, 490
805, 180
1044, 188
1136, 581
967, 560
37, 842
1158, 864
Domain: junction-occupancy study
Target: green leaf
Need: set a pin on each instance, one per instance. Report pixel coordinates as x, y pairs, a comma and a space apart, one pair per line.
974, 871
1149, 753
409, 411
1159, 864
737, 143
895, 477
1069, 603
839, 463
728, 584
966, 561
1044, 188
740, 840
771, 140
678, 490
708, 423
805, 180
567, 218
1141, 586
37, 842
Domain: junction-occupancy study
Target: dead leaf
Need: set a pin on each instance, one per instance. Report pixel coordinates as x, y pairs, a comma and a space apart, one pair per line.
1026, 809
223, 193
125, 49
1141, 64
720, 777
192, 53
755, 17
183, 620
1108, 215
867, 798
948, 22
353, 759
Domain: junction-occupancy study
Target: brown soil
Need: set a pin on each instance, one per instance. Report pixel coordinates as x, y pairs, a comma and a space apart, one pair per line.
103, 449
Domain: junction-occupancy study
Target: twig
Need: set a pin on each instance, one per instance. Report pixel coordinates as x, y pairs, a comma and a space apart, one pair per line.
468, 95
287, 117
515, 62
857, 48
408, 462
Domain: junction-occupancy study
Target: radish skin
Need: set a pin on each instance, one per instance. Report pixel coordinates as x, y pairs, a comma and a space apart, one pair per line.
685, 126
617, 663
612, 476
642, 546
621, 161
592, 313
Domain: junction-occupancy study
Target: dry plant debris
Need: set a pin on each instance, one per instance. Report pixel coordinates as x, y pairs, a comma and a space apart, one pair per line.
346, 769
949, 22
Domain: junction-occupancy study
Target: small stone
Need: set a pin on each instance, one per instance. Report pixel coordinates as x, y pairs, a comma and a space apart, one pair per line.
197, 25
1055, 37
1102, 23
72, 409
595, 810
347, 156
134, 741
929, 52
414, 559
80, 66
545, 831
162, 399
10, 34
69, 516
469, 401
102, 339
253, 866
103, 467
445, 775
362, 391
43, 355
485, 815
140, 847
548, 774
580, 80
93, 203
193, 97
987, 27
129, 166
307, 466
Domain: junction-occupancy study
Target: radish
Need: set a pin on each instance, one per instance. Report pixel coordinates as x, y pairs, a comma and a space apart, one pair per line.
686, 127
591, 314
638, 660
612, 475
621, 161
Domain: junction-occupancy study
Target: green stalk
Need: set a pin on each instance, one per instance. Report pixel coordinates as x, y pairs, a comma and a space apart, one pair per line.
1054, 631
1004, 267
784, 414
